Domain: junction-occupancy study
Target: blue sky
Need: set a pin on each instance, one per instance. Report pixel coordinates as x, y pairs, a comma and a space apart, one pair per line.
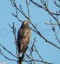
39, 17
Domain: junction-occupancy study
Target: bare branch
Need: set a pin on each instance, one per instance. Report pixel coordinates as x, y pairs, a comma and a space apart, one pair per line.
17, 17
28, 8
36, 60
7, 57
45, 8
8, 51
14, 32
52, 23
56, 4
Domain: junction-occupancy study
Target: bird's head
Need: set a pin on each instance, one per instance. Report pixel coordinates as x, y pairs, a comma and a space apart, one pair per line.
25, 23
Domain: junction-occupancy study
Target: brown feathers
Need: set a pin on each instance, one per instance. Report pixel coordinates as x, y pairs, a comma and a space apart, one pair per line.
23, 37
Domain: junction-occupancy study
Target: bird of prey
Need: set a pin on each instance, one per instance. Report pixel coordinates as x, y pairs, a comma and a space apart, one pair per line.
23, 37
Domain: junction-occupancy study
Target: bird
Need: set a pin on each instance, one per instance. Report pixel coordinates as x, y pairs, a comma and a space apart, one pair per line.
23, 37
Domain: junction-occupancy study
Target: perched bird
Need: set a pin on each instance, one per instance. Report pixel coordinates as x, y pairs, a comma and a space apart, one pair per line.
23, 37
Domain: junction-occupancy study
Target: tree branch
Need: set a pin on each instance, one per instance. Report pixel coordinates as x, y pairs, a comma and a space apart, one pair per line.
8, 51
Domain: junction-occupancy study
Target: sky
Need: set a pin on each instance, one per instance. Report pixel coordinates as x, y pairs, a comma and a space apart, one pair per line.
39, 17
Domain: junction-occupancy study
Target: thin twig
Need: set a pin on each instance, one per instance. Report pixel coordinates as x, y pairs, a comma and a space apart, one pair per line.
7, 57
38, 61
8, 51
28, 9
